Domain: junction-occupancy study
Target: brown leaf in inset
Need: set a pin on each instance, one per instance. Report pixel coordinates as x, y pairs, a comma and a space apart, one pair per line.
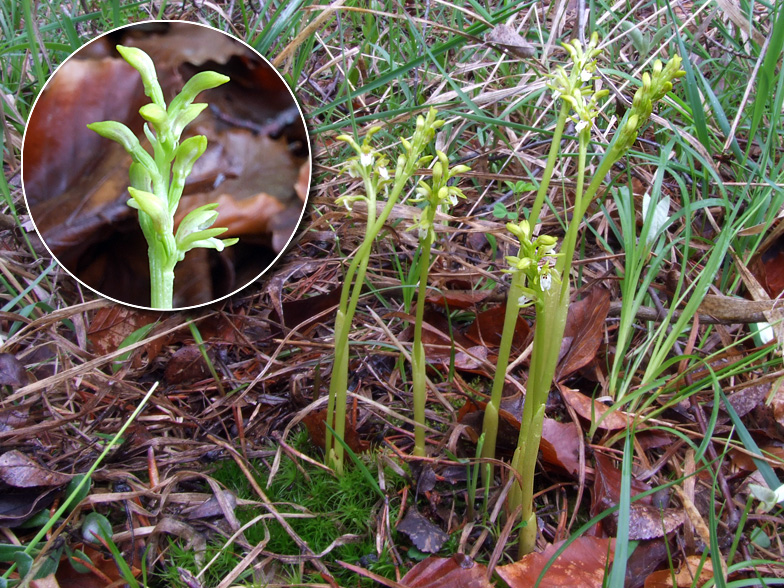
246, 217
315, 424
460, 299
172, 44
585, 329
21, 471
425, 535
185, 366
582, 564
560, 445
303, 181
12, 372
111, 325
488, 326
59, 149
593, 411
458, 571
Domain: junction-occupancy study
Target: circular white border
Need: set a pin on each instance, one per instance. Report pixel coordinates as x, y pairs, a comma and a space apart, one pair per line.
304, 203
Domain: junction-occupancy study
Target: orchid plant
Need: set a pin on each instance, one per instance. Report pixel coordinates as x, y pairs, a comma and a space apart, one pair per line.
540, 277
437, 195
157, 181
373, 168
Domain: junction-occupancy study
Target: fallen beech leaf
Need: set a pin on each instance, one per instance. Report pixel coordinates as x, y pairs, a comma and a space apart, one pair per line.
585, 330
560, 441
778, 405
12, 372
646, 558
508, 38
461, 299
303, 181
58, 146
21, 471
112, 324
686, 577
303, 314
471, 359
104, 572
560, 445
185, 366
606, 491
315, 424
583, 564
458, 571
13, 418
649, 522
488, 326
19, 505
425, 535
592, 411
747, 399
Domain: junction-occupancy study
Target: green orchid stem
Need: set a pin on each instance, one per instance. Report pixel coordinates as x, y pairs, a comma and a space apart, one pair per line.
418, 361
352, 287
547, 174
551, 314
349, 298
493, 407
161, 279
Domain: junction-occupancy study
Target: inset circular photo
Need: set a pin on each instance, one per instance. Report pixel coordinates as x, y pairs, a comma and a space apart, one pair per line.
166, 165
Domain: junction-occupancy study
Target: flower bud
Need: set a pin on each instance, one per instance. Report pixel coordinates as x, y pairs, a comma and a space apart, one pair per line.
149, 203
204, 80
154, 114
142, 63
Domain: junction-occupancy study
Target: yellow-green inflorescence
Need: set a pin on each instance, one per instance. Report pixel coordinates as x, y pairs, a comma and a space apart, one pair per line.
437, 195
540, 277
157, 181
373, 168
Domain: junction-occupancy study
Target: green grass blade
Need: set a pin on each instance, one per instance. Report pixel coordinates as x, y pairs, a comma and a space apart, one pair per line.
767, 73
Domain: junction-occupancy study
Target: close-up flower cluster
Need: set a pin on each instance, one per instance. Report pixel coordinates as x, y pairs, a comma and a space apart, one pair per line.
157, 181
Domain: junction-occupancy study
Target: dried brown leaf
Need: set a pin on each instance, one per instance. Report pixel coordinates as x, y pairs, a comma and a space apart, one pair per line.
458, 571
585, 330
111, 325
583, 563
593, 411
12, 372
560, 445
20, 471
511, 40
488, 326
425, 535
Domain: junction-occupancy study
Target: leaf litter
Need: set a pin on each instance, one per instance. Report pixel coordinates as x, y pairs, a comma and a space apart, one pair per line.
275, 344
